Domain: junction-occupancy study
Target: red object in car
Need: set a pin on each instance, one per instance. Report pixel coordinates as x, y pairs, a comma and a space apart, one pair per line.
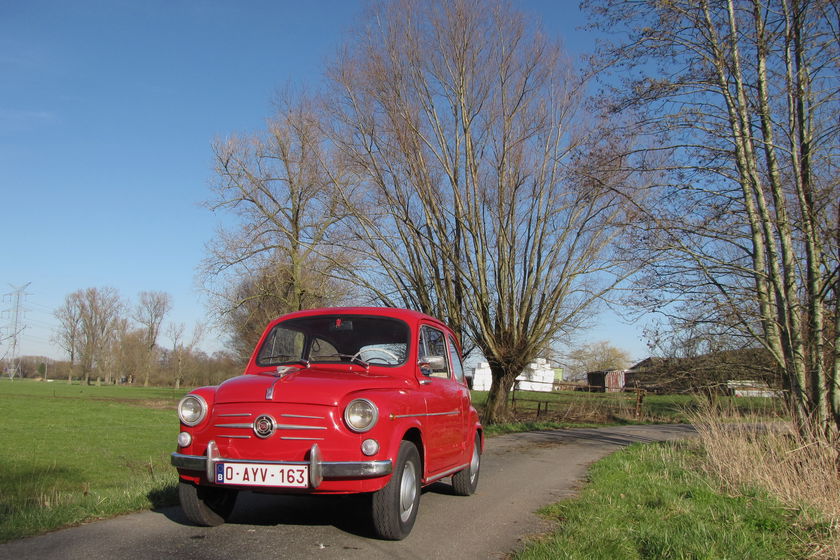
334, 401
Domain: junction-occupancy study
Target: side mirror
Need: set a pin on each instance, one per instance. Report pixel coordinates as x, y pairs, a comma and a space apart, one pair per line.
431, 363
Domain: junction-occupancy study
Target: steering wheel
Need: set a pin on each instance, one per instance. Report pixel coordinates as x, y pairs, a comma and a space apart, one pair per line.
381, 350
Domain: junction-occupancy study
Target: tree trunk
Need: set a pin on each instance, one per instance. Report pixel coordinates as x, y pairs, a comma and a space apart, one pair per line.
496, 407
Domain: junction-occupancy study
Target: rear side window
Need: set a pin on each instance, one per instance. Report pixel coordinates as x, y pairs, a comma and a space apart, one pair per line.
455, 359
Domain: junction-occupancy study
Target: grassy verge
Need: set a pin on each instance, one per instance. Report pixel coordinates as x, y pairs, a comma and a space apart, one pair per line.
654, 501
73, 453
565, 408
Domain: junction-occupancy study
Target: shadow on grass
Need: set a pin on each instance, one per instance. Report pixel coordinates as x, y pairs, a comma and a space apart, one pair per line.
24, 486
617, 435
164, 497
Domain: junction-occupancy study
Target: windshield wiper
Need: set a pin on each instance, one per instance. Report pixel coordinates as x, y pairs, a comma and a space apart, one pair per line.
286, 364
284, 367
280, 357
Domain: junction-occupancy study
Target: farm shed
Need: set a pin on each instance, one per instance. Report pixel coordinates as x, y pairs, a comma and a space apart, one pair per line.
750, 388
610, 381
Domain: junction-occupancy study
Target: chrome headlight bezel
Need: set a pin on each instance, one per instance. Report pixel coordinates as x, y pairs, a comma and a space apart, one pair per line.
361, 415
189, 418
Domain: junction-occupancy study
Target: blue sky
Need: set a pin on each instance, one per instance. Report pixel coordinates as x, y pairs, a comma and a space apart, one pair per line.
107, 113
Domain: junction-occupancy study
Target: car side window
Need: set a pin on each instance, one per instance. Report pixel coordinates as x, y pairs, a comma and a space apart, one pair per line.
455, 359
432, 350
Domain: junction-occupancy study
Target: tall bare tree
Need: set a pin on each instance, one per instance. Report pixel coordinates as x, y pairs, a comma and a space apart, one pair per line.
741, 103
278, 185
476, 202
68, 335
99, 312
149, 313
180, 349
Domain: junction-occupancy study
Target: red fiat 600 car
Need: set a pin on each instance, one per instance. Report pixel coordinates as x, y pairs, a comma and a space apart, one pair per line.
334, 401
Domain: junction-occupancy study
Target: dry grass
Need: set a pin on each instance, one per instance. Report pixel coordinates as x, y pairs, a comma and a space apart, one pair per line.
801, 470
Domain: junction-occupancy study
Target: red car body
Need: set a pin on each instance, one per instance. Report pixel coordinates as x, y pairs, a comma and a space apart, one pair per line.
335, 401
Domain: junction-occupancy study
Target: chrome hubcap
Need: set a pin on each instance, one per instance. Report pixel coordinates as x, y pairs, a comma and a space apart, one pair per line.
474, 463
408, 491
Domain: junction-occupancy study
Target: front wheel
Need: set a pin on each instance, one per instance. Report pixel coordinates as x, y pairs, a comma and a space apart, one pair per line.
207, 506
464, 482
395, 507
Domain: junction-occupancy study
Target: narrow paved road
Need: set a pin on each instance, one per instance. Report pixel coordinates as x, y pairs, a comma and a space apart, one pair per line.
519, 474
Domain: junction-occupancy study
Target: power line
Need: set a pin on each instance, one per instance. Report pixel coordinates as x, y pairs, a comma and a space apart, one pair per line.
16, 327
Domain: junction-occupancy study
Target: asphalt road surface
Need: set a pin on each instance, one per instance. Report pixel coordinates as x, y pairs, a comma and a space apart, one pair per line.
519, 474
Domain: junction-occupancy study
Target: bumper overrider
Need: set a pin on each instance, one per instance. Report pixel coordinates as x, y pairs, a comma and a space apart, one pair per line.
318, 469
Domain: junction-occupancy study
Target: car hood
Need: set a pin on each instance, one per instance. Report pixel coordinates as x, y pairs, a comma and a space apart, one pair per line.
304, 386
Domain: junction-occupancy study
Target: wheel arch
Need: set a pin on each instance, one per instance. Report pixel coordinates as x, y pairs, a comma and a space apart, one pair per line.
414, 435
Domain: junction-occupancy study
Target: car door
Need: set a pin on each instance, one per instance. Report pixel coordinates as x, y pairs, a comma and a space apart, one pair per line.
465, 424
443, 421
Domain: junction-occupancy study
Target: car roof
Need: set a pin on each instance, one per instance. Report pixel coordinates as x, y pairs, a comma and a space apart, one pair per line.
408, 315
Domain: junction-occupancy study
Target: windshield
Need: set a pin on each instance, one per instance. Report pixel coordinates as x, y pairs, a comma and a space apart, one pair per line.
336, 339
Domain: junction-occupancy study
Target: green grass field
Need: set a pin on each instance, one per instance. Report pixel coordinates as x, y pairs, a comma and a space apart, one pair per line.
653, 502
71, 453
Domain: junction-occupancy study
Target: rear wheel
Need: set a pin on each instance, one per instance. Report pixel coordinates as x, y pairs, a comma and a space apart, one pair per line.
466, 481
395, 506
207, 506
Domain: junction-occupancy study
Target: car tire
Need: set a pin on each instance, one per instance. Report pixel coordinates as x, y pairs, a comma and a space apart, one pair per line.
464, 482
395, 507
206, 506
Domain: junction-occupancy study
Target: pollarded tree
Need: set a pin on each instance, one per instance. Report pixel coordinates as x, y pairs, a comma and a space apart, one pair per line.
462, 124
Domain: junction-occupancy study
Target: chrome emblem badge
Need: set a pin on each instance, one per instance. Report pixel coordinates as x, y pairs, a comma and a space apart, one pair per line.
264, 426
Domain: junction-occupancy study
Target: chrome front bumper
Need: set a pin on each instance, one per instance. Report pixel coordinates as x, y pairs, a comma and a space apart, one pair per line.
318, 469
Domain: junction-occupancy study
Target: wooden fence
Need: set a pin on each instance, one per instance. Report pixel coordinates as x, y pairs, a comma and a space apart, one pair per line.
544, 405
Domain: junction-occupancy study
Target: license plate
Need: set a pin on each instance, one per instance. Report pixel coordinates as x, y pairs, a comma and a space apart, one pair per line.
256, 474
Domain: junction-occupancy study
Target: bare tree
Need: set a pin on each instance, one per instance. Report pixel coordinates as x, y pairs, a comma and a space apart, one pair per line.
132, 354
739, 99
476, 202
98, 312
68, 335
596, 356
149, 313
278, 185
260, 296
180, 350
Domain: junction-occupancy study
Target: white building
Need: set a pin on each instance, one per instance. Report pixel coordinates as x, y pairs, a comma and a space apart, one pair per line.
537, 376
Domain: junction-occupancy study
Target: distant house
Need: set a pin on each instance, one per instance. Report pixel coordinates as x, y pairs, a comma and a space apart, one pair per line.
537, 376
748, 372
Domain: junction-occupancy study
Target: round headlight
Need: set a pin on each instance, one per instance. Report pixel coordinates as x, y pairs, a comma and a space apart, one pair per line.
361, 415
192, 409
